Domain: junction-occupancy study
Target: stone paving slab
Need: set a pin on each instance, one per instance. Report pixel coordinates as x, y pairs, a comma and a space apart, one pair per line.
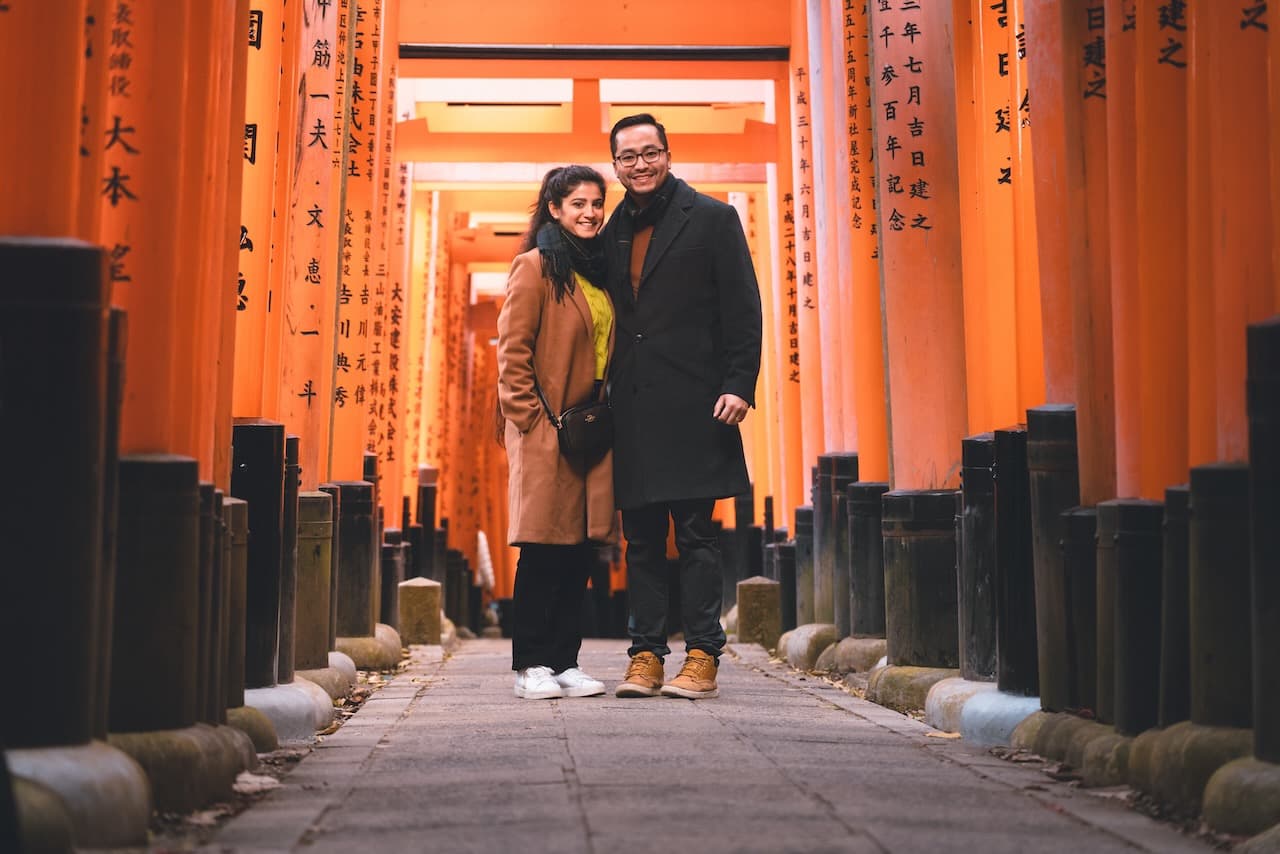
445, 758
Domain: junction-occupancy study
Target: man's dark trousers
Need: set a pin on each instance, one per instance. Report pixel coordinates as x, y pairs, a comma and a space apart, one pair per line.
647, 579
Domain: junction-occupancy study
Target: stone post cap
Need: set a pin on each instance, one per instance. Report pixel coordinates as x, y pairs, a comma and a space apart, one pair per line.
757, 581
419, 581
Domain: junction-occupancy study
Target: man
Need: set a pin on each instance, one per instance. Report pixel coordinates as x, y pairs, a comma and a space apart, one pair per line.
684, 375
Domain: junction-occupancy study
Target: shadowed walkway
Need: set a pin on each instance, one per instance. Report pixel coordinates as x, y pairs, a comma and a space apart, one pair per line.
445, 759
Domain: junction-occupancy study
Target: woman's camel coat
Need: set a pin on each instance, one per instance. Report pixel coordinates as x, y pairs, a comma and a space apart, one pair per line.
552, 500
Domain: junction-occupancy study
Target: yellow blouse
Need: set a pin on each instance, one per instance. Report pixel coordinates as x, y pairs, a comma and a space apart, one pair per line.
601, 321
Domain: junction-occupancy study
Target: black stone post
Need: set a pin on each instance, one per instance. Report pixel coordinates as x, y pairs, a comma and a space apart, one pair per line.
786, 565
823, 543
335, 555
1055, 488
117, 339
1105, 611
1079, 561
392, 574
289, 562
207, 581
454, 587
1221, 639
371, 475
770, 564
866, 558
53, 397
736, 564
257, 476
844, 472
1137, 623
921, 624
977, 558
1018, 671
1175, 609
1264, 510
154, 655
439, 559
235, 556
804, 565
726, 541
355, 573
217, 706
315, 563
426, 515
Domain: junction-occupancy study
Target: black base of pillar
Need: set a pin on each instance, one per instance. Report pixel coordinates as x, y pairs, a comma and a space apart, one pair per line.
921, 625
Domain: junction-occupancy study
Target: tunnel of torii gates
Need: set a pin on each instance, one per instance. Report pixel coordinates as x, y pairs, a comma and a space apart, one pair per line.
957, 211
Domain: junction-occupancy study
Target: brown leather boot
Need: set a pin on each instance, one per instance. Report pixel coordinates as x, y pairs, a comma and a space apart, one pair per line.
697, 678
644, 676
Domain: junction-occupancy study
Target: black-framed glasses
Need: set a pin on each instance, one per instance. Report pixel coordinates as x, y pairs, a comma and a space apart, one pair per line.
649, 155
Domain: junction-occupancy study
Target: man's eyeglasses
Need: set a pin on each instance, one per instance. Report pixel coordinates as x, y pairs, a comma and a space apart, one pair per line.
649, 155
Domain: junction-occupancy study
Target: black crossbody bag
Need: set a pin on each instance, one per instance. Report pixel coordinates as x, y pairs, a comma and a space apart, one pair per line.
585, 431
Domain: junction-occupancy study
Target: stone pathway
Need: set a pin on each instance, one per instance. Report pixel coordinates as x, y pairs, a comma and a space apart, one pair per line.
444, 758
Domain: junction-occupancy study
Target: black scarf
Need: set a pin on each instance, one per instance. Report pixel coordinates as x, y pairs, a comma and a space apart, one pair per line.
563, 254
643, 217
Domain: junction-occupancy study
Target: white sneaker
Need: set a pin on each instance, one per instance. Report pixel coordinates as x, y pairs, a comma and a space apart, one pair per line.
578, 684
537, 683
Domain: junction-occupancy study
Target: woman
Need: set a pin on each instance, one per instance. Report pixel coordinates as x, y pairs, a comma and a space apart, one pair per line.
555, 335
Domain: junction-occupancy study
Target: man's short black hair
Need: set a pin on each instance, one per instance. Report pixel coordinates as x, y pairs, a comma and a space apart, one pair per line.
632, 121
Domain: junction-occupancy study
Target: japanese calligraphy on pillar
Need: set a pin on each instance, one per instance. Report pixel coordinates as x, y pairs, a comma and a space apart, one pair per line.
96, 30
862, 176
353, 354
262, 122
905, 144
121, 148
914, 109
311, 244
1171, 22
802, 183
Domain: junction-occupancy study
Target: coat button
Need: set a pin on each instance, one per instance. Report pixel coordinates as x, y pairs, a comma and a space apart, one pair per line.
639, 337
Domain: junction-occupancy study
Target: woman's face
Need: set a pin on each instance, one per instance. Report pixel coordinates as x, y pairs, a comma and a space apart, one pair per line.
581, 213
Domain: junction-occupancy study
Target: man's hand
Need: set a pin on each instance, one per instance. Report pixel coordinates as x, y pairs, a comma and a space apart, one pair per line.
730, 409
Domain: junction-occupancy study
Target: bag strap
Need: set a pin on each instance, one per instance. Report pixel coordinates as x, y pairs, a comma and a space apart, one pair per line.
551, 416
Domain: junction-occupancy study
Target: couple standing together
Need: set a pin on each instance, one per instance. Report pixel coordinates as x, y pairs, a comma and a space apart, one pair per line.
662, 305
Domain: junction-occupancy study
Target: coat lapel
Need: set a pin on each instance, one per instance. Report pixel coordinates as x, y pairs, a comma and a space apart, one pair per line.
670, 225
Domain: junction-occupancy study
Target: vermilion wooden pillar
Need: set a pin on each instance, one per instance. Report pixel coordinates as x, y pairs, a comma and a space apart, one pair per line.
388, 304
1067, 72
42, 63
920, 244
309, 289
827, 235
353, 346
767, 414
757, 429
229, 245
1161, 113
1026, 249
1232, 105
261, 123
1122, 221
1274, 100
782, 227
420, 218
1201, 382
805, 210
141, 200
866, 345
840, 211
208, 36
97, 29
986, 120
219, 233
401, 450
